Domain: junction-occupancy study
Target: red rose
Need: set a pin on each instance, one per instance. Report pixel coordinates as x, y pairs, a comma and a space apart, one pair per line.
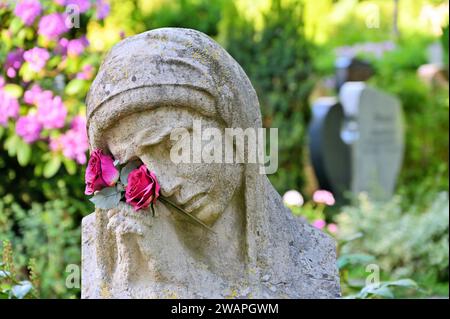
100, 172
142, 188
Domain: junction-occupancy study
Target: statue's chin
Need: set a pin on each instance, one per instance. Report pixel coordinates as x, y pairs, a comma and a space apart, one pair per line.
207, 214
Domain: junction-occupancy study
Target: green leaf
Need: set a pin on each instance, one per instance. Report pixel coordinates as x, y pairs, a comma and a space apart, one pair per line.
26, 72
21, 290
352, 259
107, 198
13, 90
11, 144
23, 153
382, 291
403, 283
70, 165
16, 25
126, 170
74, 87
52, 166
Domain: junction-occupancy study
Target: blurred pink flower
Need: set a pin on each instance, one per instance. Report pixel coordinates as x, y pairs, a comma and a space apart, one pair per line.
82, 5
13, 62
29, 128
51, 112
86, 73
332, 228
61, 47
28, 10
79, 124
77, 46
319, 223
36, 94
74, 143
37, 58
52, 26
324, 197
103, 9
9, 106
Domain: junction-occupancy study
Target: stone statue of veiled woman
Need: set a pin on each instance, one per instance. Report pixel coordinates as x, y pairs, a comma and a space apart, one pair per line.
149, 85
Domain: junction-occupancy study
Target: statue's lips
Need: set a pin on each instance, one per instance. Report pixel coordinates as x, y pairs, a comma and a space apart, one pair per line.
195, 202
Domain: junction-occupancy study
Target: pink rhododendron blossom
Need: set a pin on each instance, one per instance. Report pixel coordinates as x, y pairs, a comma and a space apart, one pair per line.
324, 197
37, 96
86, 73
100, 172
319, 223
82, 5
51, 112
28, 10
74, 143
37, 58
79, 123
52, 26
103, 9
29, 128
77, 46
9, 106
13, 62
61, 47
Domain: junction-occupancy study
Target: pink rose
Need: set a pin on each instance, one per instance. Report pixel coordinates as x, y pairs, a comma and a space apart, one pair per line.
142, 188
100, 172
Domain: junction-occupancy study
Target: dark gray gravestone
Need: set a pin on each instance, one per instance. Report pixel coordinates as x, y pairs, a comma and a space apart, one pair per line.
378, 147
351, 70
330, 156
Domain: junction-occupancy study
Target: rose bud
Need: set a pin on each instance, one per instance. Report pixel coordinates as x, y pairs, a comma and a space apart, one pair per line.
100, 172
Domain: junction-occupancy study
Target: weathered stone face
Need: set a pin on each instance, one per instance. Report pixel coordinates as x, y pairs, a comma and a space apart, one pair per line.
203, 189
149, 85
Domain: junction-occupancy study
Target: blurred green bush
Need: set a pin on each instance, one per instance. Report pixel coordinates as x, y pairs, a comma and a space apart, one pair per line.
405, 243
41, 160
279, 62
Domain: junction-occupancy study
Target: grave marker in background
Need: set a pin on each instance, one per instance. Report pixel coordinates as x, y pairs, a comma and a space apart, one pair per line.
330, 156
357, 147
377, 150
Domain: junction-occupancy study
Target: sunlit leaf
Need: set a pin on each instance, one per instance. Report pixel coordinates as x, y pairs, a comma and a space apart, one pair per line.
13, 90
23, 153
52, 167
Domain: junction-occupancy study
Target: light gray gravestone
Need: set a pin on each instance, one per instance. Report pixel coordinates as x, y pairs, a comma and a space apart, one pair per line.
374, 129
